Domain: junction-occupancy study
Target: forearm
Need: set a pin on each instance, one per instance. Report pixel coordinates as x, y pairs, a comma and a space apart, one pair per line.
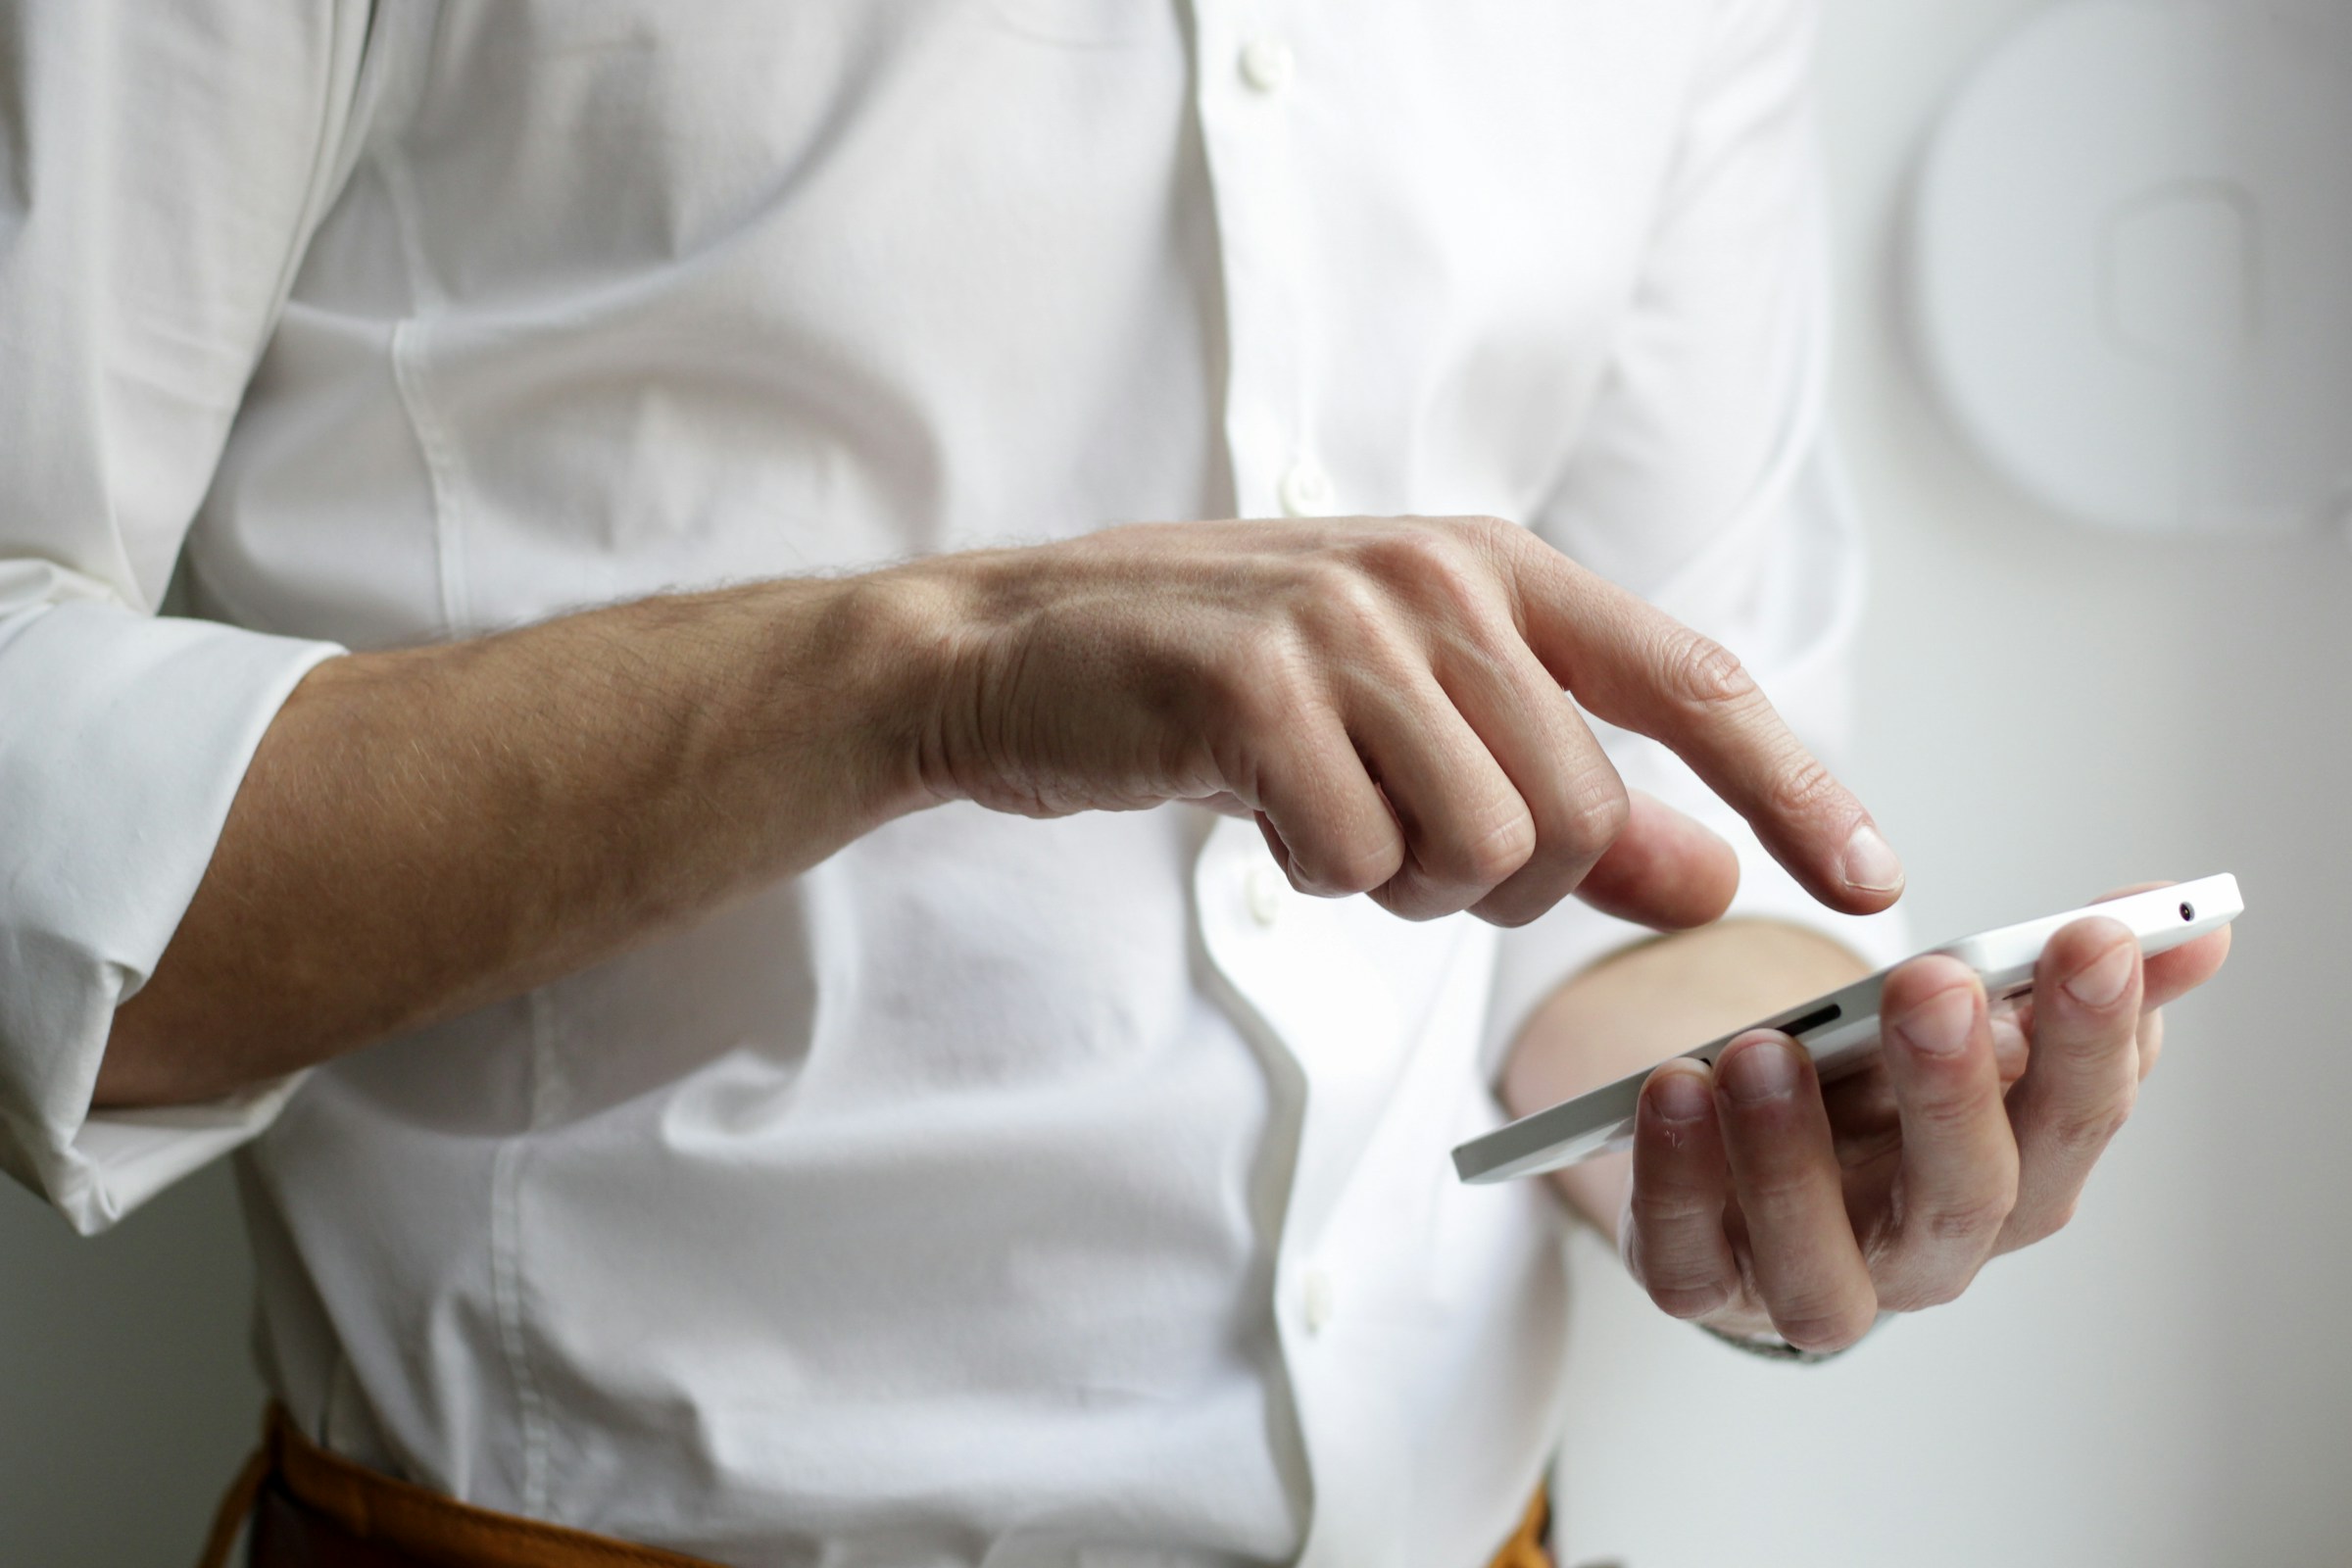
424, 831
1648, 1003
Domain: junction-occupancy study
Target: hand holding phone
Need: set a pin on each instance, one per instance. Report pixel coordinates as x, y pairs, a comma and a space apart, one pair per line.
1759, 1202
1839, 1031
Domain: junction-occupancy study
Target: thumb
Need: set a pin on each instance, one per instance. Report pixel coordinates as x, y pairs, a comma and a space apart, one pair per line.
1665, 870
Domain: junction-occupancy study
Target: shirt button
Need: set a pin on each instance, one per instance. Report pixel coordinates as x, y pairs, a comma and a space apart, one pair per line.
1306, 491
1266, 63
1262, 893
1321, 1299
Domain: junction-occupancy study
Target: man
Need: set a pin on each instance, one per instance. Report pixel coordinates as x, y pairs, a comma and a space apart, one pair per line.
903, 1023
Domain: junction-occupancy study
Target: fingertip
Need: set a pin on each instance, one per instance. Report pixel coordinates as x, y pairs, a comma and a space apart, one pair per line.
1872, 873
1924, 978
1940, 1026
1680, 1092
2086, 939
1665, 870
2172, 975
1860, 874
1759, 1068
2096, 961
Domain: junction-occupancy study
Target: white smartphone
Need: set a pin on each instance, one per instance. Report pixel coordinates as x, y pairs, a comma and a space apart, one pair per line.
1841, 1031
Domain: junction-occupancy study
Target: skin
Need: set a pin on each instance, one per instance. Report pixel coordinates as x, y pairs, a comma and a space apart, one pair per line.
1757, 1202
424, 831
428, 830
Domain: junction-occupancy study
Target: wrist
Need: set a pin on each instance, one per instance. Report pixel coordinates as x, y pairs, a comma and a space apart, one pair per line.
913, 643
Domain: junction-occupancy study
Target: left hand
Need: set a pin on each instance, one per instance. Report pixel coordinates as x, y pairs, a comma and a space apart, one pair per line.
1761, 1201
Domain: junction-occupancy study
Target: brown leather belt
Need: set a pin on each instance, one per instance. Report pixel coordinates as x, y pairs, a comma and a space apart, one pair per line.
315, 1509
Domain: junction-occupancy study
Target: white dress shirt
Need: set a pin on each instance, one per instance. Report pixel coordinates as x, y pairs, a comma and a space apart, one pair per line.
999, 1191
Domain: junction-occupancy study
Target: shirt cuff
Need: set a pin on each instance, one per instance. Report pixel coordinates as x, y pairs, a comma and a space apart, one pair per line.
122, 741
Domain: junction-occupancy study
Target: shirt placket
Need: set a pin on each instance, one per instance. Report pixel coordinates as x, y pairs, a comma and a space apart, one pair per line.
1251, 72
1309, 993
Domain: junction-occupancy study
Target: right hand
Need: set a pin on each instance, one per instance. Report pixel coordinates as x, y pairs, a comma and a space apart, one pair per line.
1387, 699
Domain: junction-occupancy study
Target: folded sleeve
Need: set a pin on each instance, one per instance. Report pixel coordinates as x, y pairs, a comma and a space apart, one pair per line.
1705, 480
160, 169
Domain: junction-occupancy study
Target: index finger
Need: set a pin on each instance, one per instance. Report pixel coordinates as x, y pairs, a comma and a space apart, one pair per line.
1639, 668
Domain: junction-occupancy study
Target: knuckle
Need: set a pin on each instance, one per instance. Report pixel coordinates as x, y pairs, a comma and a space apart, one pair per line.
1970, 1222
1826, 1327
2086, 1132
1787, 1189
1413, 899
1443, 575
1514, 910
1803, 786
1654, 1208
1262, 680
1701, 673
1596, 817
1344, 605
1491, 533
1494, 856
1475, 858
1356, 865
1940, 1288
1403, 554
2029, 1227
1954, 1114
1689, 1301
1456, 582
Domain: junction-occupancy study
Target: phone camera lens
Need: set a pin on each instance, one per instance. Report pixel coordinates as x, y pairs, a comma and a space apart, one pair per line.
2188, 912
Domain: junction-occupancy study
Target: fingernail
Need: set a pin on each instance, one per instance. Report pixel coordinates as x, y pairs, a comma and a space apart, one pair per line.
1679, 1095
1939, 1025
2101, 983
1758, 1071
1870, 864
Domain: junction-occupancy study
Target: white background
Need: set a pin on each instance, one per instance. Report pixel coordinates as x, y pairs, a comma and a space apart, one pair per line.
2046, 713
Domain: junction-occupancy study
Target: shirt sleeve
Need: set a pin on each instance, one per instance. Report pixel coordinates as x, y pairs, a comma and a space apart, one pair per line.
160, 169
1705, 480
